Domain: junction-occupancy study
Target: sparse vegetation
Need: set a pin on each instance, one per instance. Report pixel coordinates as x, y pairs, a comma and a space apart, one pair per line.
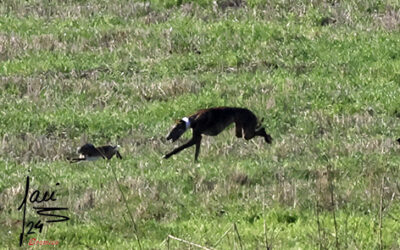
324, 74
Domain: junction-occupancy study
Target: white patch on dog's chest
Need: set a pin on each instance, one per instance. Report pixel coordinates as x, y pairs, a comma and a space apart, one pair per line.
187, 122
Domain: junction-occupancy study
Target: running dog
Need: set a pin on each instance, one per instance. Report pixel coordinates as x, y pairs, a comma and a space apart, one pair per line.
213, 121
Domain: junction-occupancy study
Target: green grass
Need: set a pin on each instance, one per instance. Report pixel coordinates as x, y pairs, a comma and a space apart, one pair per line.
324, 75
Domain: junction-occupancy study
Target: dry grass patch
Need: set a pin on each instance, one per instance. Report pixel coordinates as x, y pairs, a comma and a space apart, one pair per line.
240, 178
11, 46
9, 196
87, 200
166, 89
202, 184
390, 19
29, 147
72, 9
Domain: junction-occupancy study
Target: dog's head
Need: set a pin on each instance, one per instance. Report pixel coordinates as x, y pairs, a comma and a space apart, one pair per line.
180, 127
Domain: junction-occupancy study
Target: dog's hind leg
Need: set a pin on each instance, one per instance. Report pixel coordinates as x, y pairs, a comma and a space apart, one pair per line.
239, 129
249, 132
249, 128
249, 135
261, 132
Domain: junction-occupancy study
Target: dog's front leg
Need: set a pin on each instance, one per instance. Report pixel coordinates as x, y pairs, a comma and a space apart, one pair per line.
118, 155
198, 142
178, 149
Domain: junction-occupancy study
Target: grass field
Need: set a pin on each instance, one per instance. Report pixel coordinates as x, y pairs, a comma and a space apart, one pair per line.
324, 75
